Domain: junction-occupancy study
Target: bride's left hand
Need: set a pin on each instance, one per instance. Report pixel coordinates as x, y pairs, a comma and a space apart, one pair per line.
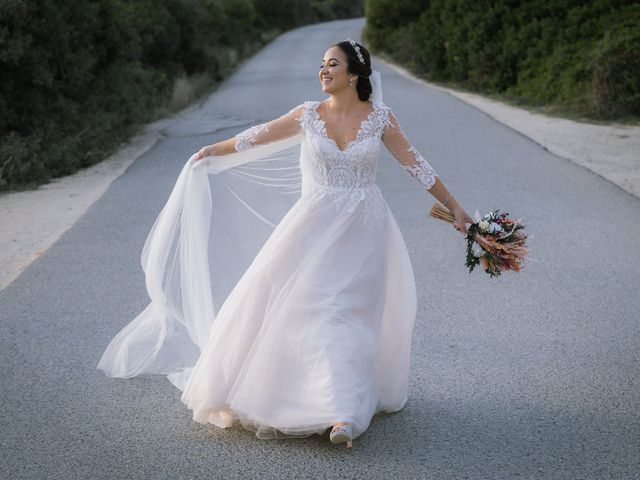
461, 220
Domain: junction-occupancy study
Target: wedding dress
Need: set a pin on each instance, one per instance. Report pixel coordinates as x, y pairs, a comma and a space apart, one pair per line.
318, 328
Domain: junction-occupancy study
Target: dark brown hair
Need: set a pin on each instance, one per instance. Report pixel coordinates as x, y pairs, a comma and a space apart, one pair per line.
356, 67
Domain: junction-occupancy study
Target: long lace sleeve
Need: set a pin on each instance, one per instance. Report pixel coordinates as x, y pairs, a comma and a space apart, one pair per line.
282, 127
405, 153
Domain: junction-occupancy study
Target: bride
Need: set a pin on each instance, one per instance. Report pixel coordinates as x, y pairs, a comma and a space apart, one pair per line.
316, 333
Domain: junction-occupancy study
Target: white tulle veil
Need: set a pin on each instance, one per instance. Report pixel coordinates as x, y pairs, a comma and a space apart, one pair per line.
220, 212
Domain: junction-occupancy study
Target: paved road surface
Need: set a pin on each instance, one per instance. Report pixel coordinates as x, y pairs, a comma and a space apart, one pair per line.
533, 375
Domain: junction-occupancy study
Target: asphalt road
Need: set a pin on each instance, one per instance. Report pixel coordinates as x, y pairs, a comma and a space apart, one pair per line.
532, 375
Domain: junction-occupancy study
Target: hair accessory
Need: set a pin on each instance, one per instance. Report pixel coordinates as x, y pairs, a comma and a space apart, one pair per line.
356, 48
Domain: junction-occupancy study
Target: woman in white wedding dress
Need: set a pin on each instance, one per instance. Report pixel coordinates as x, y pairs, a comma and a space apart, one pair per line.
316, 334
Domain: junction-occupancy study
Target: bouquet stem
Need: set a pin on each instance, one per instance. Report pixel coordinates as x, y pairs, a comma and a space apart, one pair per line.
441, 212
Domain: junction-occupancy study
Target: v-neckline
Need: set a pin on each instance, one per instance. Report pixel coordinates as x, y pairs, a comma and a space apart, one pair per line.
358, 133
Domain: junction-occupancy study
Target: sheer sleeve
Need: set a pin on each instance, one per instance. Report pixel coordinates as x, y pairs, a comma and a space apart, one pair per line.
285, 126
412, 161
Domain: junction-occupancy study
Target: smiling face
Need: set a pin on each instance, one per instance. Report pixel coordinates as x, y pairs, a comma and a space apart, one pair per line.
333, 71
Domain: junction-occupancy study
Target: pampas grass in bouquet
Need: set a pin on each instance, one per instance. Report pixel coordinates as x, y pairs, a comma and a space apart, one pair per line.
495, 240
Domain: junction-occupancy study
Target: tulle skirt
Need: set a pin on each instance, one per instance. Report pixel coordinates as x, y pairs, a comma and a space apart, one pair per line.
316, 331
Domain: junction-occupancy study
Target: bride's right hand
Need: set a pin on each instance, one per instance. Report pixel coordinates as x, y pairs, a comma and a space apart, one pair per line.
462, 219
207, 151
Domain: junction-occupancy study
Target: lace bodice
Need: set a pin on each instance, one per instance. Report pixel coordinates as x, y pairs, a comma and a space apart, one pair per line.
347, 176
353, 167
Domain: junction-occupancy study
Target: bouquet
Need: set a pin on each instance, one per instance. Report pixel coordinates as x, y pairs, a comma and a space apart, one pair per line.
495, 240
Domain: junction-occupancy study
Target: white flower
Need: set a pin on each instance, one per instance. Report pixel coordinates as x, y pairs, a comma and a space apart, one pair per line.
477, 250
494, 227
483, 225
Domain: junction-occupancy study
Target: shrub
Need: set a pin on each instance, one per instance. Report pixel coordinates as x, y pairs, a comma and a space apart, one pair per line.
77, 78
580, 57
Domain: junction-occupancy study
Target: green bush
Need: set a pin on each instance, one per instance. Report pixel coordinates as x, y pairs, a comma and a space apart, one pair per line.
577, 57
614, 68
77, 78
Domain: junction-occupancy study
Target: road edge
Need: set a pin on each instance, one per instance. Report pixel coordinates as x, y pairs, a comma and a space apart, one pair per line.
33, 220
606, 150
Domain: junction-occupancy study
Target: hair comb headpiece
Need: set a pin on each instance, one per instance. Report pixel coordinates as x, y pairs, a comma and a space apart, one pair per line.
356, 48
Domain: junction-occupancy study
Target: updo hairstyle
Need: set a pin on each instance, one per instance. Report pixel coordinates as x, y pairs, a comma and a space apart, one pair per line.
356, 67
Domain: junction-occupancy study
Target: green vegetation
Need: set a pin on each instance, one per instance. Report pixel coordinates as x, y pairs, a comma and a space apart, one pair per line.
78, 78
579, 59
